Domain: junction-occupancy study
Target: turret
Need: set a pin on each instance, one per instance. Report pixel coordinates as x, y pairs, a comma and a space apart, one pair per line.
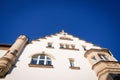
11, 55
104, 64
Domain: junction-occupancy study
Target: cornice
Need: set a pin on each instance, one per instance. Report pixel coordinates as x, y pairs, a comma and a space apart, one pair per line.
96, 50
5, 46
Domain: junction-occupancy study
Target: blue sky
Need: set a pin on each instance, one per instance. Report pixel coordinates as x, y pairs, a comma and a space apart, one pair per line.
96, 21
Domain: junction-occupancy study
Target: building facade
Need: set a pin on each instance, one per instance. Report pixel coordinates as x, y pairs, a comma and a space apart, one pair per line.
60, 56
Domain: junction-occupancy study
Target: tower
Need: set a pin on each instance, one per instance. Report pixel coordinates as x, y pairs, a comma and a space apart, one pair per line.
11, 55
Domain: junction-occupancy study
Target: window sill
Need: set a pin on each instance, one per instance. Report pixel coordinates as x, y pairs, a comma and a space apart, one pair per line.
69, 49
76, 68
50, 47
40, 66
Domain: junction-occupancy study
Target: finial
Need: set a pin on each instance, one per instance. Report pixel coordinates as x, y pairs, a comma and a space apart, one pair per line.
63, 32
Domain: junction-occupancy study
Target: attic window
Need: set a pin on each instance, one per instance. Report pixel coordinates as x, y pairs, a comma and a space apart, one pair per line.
68, 46
66, 38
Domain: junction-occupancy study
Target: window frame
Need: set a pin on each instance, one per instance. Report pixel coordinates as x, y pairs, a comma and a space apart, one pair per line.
72, 64
47, 62
49, 45
103, 57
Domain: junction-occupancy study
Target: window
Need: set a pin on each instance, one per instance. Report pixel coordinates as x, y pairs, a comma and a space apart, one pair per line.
71, 62
103, 57
50, 45
66, 38
41, 59
61, 45
68, 47
94, 59
72, 66
73, 46
84, 47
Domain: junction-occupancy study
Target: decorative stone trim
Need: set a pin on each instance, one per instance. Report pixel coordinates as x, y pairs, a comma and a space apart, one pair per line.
5, 64
76, 68
36, 40
103, 67
96, 50
6, 59
40, 66
107, 63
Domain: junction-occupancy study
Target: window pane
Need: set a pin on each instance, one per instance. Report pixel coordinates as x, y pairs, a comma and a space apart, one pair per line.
42, 56
34, 61
48, 58
103, 57
41, 62
35, 56
67, 46
61, 46
48, 63
72, 64
49, 44
94, 59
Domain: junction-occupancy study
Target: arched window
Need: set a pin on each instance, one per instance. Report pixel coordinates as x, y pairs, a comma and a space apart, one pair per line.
41, 59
